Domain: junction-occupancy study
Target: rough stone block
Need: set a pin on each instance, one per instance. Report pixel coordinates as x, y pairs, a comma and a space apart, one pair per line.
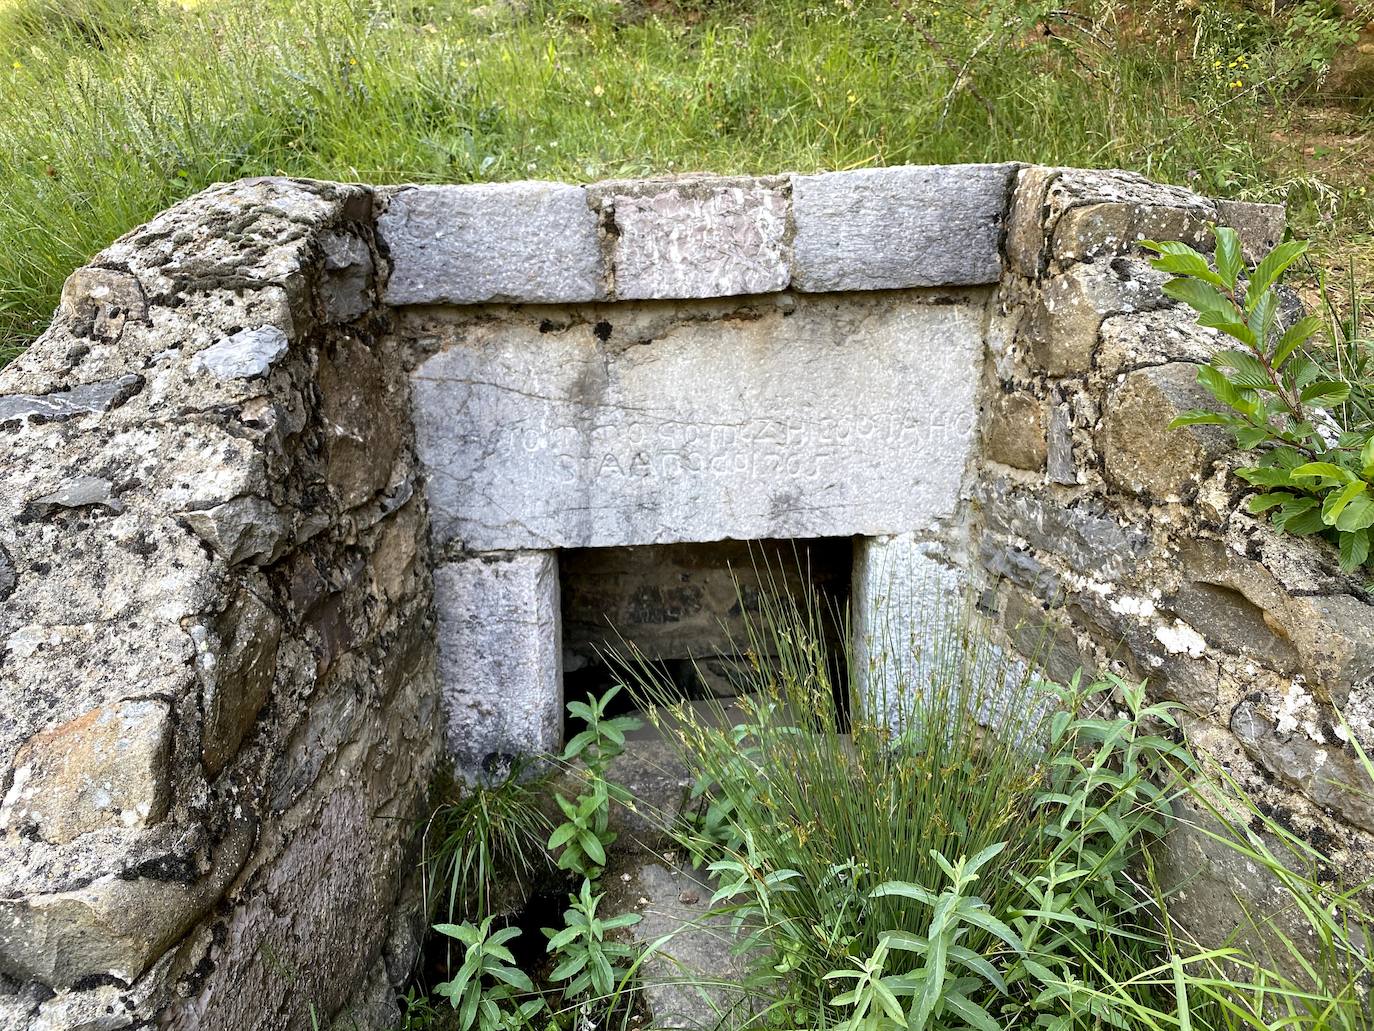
1091, 541
1140, 453
800, 425
521, 242
236, 657
500, 657
361, 422
1154, 338
247, 354
1062, 329
890, 228
1026, 220
346, 287
699, 237
1060, 465
1260, 226
1092, 213
1014, 431
1325, 771
900, 583
105, 768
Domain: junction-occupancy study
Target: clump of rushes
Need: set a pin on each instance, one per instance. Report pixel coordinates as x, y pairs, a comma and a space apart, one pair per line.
818, 801
481, 836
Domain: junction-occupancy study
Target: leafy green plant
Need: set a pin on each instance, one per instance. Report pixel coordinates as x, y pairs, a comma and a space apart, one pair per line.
582, 839
954, 912
587, 960
957, 746
481, 837
486, 990
1315, 478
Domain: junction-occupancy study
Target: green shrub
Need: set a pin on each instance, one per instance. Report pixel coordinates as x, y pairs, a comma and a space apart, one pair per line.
1315, 477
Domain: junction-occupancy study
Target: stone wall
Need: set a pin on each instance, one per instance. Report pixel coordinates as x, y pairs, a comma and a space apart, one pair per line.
219, 711
286, 484
1111, 543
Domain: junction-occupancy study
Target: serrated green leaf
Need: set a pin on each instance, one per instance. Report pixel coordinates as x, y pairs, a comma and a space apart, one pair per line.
1337, 500
1201, 297
1227, 323
1250, 437
1323, 471
1325, 392
1267, 272
1357, 515
1294, 337
1259, 503
1222, 388
1228, 252
1261, 319
1354, 549
1265, 476
1246, 369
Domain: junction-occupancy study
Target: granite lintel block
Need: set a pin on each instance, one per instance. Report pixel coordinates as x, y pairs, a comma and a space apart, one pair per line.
893, 228
699, 236
528, 242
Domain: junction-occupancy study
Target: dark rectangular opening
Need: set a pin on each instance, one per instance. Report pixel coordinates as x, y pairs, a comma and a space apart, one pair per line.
684, 607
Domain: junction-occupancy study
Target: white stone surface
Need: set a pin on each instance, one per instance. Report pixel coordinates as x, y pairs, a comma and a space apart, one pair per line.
524, 242
828, 421
900, 584
244, 355
704, 236
500, 657
913, 621
888, 228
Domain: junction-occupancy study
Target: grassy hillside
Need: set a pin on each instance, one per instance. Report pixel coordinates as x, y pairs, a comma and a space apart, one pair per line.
112, 109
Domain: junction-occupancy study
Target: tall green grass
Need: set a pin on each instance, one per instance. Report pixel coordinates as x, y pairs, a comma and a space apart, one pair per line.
832, 820
107, 118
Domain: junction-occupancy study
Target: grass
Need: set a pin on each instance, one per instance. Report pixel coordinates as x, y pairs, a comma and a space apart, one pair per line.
108, 117
838, 834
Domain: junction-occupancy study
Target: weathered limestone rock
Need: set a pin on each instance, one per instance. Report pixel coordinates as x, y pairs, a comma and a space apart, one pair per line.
796, 425
1060, 465
1089, 540
114, 926
170, 716
1154, 338
363, 436
1014, 433
1323, 770
888, 228
500, 657
244, 355
236, 657
106, 767
1093, 213
101, 301
63, 404
699, 236
1260, 226
245, 529
525, 242
1140, 453
1064, 324
346, 287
